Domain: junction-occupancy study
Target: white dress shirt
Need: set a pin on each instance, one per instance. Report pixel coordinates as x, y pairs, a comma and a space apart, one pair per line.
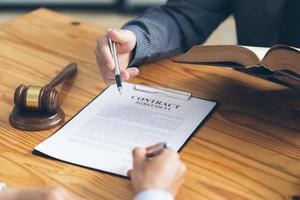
153, 194
2, 186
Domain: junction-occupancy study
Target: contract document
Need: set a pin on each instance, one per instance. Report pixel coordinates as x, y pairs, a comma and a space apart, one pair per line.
103, 134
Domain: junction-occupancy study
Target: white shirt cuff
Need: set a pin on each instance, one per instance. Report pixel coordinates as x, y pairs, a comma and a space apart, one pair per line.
153, 194
2, 186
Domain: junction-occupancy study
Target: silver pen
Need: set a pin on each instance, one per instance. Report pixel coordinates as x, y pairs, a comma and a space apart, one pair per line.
113, 50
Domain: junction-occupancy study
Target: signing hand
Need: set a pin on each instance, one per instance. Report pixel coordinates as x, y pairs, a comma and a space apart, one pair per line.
125, 43
163, 172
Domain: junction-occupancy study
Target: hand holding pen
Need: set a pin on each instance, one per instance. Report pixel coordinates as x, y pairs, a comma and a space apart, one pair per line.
156, 167
125, 42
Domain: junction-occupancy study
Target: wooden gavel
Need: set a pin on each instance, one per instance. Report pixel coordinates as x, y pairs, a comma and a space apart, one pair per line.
42, 99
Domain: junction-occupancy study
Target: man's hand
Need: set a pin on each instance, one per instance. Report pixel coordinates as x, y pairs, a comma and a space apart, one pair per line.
163, 172
125, 43
37, 194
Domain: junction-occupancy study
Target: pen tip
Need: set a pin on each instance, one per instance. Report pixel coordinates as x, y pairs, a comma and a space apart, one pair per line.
120, 90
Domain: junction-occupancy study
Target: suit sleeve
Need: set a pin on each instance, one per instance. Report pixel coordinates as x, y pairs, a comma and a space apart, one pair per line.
175, 27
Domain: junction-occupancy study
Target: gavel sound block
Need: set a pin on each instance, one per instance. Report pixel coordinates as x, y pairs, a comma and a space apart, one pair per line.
36, 108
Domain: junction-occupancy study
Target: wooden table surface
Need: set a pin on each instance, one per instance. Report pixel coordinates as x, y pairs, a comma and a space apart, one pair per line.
248, 149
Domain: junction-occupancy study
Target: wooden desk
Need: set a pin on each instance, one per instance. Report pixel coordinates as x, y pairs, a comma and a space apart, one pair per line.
248, 149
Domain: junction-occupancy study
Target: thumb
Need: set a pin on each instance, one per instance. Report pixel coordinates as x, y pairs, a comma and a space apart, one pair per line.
129, 173
132, 72
139, 156
122, 36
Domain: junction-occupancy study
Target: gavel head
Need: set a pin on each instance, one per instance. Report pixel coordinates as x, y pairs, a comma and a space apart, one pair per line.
41, 99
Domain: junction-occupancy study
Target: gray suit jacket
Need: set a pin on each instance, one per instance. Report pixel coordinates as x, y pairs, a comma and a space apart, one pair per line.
179, 24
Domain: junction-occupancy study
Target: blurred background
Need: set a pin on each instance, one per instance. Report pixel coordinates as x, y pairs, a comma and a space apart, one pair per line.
105, 13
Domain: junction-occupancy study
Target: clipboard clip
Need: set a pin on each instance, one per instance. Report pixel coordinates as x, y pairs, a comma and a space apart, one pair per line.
164, 91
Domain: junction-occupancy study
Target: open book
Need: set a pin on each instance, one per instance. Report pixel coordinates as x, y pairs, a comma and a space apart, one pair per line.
280, 64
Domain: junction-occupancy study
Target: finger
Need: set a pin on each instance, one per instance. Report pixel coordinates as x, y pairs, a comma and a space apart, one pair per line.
125, 75
155, 150
125, 40
129, 73
129, 173
109, 78
103, 54
132, 72
99, 64
139, 156
104, 59
120, 36
155, 146
107, 74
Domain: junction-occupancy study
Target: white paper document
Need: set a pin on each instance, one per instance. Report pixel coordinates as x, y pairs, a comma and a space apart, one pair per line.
103, 135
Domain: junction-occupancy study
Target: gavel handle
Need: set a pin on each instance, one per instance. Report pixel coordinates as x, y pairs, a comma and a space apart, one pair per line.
67, 72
